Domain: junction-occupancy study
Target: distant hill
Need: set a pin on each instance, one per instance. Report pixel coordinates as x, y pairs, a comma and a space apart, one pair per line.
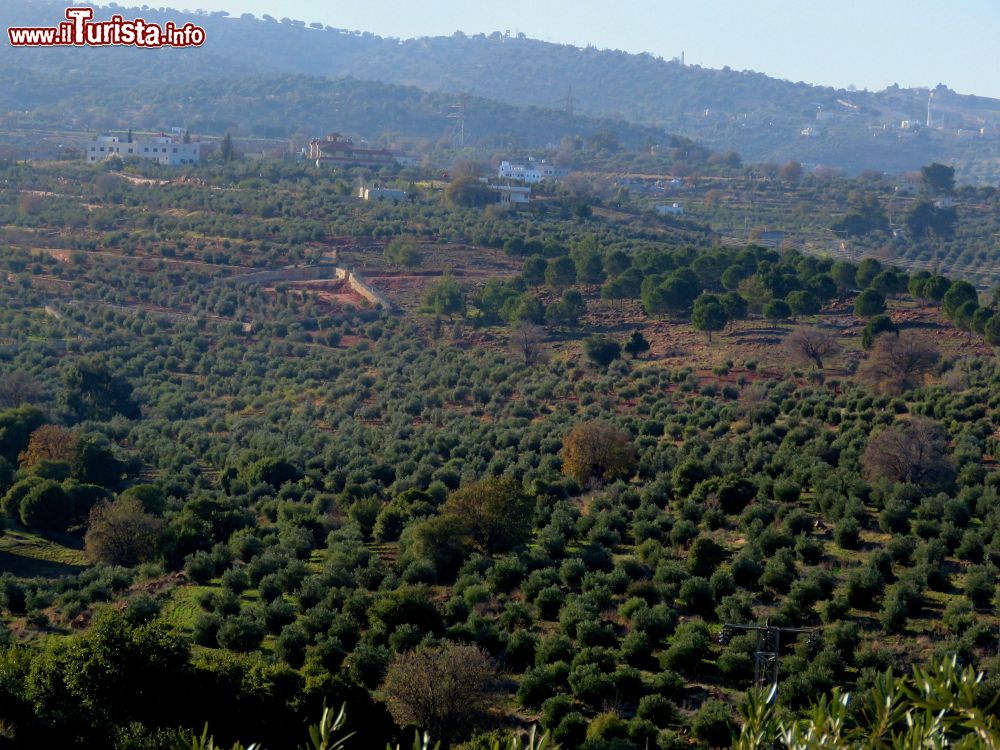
763, 118
278, 106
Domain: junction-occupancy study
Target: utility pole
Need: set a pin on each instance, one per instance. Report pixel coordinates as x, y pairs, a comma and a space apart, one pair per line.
458, 111
765, 662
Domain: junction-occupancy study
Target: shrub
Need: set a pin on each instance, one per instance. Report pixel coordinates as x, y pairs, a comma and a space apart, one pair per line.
602, 350
141, 609
47, 507
869, 303
607, 726
290, 645
713, 724
241, 633
206, 629
658, 709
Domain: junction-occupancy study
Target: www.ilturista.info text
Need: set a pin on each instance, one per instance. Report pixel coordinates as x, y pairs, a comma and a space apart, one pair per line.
80, 30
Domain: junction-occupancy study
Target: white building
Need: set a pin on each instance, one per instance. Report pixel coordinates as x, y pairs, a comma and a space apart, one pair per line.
511, 195
531, 173
161, 149
675, 209
380, 194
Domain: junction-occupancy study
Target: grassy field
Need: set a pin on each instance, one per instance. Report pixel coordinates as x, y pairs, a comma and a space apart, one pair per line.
28, 555
181, 609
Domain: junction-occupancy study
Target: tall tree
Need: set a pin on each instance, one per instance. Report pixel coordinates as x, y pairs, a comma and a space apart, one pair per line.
527, 342
560, 273
869, 303
446, 690
811, 345
226, 151
914, 452
122, 533
938, 178
636, 344
709, 315
597, 449
496, 511
899, 363
444, 298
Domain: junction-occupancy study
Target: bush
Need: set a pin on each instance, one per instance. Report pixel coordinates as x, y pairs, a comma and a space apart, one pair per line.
235, 580
572, 730
847, 533
607, 726
206, 629
602, 350
554, 710
592, 685
713, 724
689, 646
46, 507
869, 304
777, 309
658, 709
705, 556
290, 645
241, 633
980, 585
141, 609
696, 596
200, 567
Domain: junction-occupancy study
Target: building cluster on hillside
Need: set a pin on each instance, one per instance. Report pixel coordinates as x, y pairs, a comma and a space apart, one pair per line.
531, 172
339, 150
161, 149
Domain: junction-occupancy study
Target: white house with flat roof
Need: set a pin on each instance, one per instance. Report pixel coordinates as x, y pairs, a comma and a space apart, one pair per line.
530, 173
161, 149
511, 195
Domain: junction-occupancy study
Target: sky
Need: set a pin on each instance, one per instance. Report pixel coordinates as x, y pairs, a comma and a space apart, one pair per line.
868, 43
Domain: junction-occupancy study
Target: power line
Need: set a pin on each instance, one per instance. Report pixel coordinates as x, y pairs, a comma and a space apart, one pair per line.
765, 662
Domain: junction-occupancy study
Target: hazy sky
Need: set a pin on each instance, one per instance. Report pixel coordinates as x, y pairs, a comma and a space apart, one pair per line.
870, 43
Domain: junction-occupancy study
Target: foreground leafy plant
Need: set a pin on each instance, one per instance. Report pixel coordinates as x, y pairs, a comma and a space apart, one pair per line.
933, 707
325, 736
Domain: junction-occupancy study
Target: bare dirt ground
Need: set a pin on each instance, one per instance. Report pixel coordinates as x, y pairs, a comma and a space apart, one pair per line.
334, 293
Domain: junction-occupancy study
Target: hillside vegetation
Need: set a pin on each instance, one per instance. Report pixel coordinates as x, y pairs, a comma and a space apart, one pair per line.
532, 494
758, 116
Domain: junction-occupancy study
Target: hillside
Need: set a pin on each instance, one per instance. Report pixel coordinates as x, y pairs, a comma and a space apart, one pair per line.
282, 106
232, 491
761, 117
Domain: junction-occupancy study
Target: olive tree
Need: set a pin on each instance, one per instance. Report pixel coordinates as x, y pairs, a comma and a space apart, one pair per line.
445, 690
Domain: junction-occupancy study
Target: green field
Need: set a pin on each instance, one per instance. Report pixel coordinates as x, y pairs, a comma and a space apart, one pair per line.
30, 555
